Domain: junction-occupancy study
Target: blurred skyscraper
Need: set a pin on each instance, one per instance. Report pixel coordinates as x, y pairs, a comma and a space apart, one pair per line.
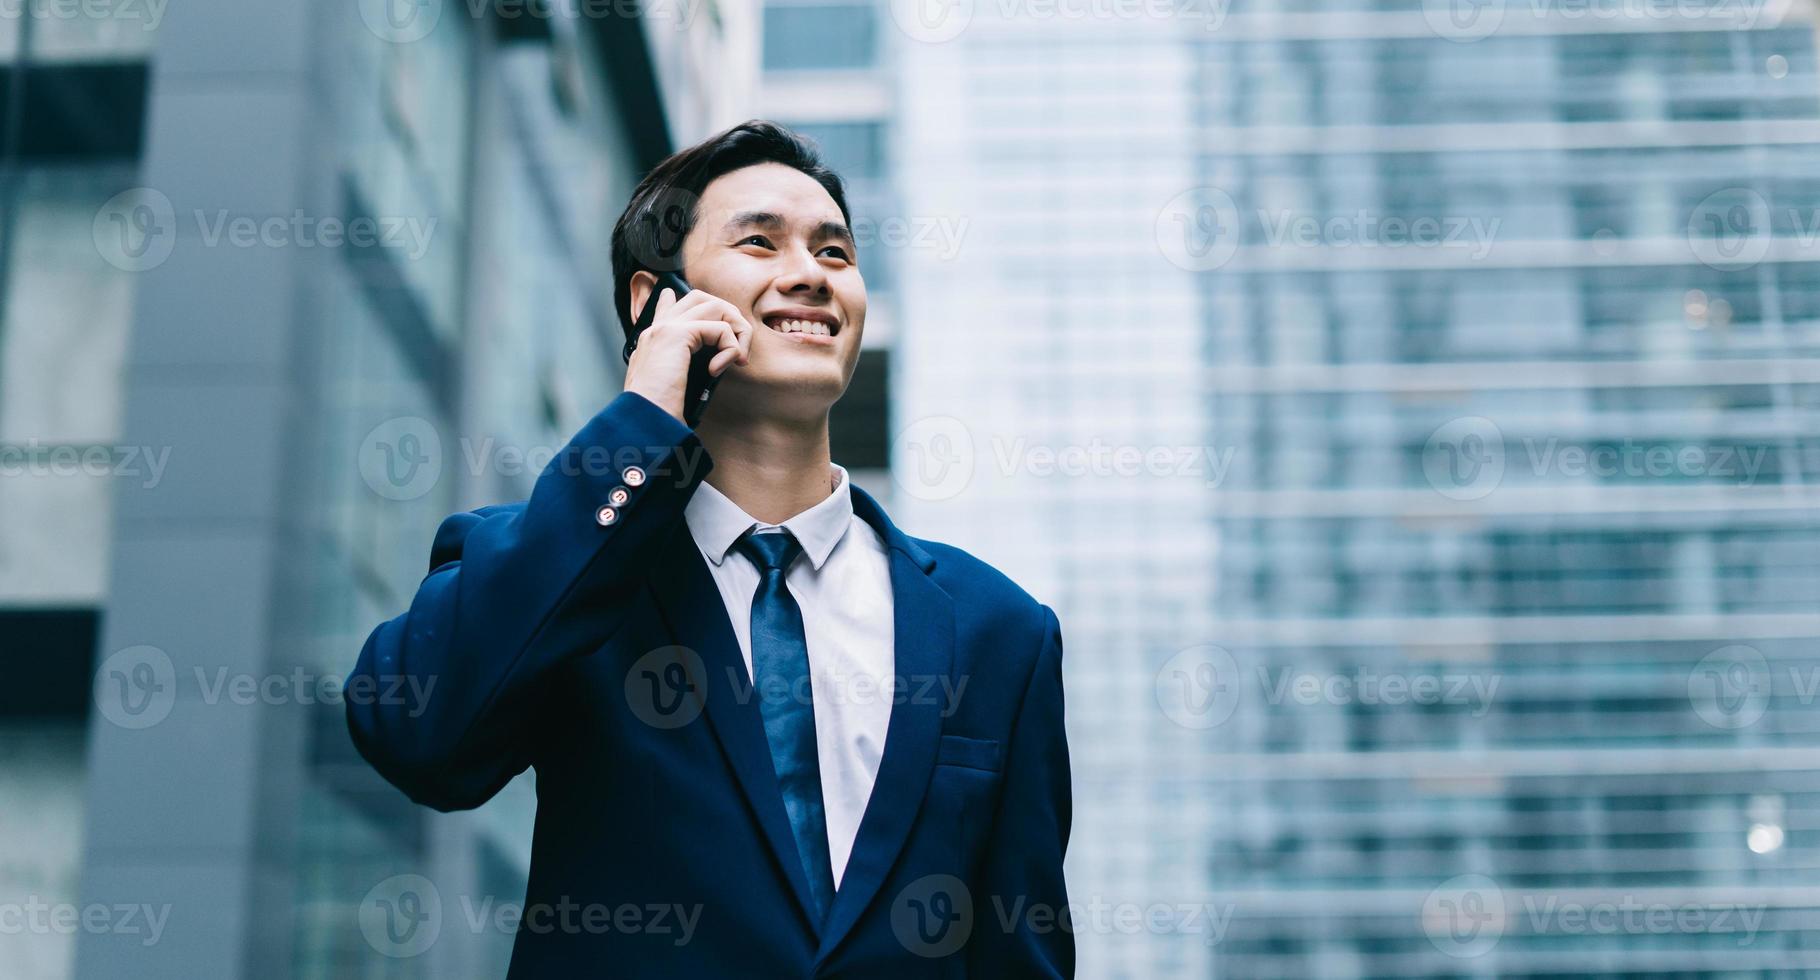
284, 285
71, 104
827, 74
1408, 408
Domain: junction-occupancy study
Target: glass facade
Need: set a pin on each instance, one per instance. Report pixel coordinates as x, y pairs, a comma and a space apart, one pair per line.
1460, 625
498, 336
285, 377
819, 36
64, 319
827, 75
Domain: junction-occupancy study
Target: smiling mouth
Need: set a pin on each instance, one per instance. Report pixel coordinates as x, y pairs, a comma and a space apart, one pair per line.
819, 326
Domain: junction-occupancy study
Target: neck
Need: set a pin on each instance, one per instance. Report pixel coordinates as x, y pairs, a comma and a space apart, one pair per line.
774, 469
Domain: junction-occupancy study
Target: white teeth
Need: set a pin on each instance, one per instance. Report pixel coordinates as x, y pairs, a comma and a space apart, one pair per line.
815, 327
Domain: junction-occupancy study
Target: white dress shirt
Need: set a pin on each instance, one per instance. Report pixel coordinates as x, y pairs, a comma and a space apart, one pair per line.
842, 582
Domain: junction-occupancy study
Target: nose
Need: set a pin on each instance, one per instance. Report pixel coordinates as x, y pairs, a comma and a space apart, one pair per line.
803, 274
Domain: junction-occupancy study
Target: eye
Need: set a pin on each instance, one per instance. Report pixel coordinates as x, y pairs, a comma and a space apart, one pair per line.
839, 253
760, 239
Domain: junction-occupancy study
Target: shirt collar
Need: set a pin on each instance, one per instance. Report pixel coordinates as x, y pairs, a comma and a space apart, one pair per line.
716, 522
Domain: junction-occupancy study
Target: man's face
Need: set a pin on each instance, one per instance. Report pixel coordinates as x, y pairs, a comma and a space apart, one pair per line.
771, 241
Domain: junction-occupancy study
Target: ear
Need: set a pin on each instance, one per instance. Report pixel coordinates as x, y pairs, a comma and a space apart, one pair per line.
642, 282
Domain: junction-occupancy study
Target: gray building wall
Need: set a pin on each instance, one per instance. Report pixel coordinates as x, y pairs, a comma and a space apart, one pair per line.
370, 276
1180, 245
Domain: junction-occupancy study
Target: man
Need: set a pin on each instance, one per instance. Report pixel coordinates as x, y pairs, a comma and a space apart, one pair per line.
808, 743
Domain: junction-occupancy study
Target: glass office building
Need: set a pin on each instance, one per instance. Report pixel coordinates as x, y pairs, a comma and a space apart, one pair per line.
1408, 409
283, 286
71, 100
827, 74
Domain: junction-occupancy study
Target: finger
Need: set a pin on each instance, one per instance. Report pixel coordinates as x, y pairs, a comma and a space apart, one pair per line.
740, 324
666, 298
730, 351
700, 305
727, 339
695, 304
744, 333
707, 334
722, 361
720, 309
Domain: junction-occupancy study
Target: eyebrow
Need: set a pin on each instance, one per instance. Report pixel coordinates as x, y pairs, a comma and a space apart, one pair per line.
772, 220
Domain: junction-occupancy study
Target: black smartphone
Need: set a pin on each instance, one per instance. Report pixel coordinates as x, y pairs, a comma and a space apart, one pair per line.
701, 384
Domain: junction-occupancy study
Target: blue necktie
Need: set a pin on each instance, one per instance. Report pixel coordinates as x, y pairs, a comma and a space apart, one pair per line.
780, 674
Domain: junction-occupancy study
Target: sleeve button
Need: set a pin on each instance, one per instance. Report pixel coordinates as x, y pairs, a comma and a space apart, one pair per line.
633, 476
606, 515
618, 496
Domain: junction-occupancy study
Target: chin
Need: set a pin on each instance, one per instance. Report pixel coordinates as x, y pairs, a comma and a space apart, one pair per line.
813, 370
796, 394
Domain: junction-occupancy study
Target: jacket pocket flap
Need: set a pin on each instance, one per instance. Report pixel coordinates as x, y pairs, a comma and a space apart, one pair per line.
974, 753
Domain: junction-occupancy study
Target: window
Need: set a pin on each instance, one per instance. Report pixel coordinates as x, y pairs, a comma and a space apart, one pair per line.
819, 36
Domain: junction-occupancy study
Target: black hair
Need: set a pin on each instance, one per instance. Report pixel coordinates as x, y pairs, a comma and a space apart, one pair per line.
663, 209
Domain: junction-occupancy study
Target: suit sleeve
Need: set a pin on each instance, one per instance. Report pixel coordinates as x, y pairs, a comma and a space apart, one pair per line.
513, 592
1029, 837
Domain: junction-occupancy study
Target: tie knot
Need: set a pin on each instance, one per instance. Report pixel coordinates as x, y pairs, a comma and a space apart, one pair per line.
771, 551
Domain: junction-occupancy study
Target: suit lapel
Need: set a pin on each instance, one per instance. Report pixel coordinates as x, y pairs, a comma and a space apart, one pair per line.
923, 639
697, 618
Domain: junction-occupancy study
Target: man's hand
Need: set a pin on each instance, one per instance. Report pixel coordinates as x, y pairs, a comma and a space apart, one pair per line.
659, 369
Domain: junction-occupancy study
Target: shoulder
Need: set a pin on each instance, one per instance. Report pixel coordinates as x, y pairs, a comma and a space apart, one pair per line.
452, 535
977, 585
1008, 641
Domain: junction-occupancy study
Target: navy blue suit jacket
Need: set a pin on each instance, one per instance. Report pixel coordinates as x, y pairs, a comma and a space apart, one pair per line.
602, 655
